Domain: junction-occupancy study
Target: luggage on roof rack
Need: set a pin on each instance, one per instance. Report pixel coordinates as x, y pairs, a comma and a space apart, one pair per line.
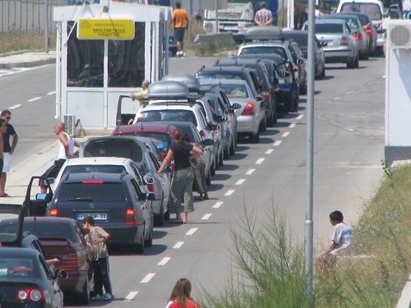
264, 33
168, 89
190, 81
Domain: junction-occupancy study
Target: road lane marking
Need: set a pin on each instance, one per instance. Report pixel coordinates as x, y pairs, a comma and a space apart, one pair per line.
51, 93
259, 161
205, 217
229, 193
15, 106
285, 134
277, 143
293, 124
178, 245
250, 171
148, 277
217, 205
191, 231
239, 182
300, 117
164, 261
130, 296
34, 99
269, 151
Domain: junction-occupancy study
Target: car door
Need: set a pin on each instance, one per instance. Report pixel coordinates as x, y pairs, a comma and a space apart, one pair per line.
56, 295
142, 206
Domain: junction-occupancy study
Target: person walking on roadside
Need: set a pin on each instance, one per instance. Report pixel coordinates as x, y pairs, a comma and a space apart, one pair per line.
182, 184
66, 151
96, 240
263, 17
8, 150
181, 295
3, 129
180, 21
140, 96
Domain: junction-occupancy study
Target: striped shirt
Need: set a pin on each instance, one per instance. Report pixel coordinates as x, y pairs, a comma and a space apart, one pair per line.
263, 16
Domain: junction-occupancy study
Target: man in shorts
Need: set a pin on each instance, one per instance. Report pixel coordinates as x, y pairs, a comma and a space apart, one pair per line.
3, 128
8, 150
180, 21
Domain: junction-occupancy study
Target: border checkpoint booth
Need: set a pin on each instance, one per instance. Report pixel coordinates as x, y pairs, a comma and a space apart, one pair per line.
103, 51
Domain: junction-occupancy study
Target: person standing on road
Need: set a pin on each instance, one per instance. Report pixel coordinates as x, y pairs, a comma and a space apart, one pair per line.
181, 295
263, 17
8, 150
3, 129
182, 185
180, 21
66, 151
96, 242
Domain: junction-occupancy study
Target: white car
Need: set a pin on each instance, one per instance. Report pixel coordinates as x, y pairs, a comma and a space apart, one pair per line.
251, 114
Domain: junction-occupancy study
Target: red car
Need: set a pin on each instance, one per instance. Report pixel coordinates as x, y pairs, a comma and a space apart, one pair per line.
64, 238
160, 133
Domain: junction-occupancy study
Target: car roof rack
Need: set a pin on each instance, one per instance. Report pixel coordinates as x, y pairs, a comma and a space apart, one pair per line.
264, 33
168, 89
190, 81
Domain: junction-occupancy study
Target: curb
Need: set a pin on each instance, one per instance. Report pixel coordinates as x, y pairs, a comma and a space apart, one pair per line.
27, 63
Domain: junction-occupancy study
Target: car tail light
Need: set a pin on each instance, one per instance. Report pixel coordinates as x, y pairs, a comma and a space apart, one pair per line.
54, 212
131, 217
149, 183
358, 37
248, 109
72, 260
369, 33
266, 95
32, 294
344, 42
202, 134
93, 182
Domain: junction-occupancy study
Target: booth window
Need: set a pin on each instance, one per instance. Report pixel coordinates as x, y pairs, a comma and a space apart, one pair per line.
126, 60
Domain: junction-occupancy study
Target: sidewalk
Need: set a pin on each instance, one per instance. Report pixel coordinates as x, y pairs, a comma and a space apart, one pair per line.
26, 59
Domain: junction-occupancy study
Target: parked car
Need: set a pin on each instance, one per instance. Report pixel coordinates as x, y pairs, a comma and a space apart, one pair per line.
301, 37
115, 201
340, 43
361, 38
268, 90
251, 113
301, 63
27, 281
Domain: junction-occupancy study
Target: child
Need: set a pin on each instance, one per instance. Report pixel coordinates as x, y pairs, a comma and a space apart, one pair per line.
181, 295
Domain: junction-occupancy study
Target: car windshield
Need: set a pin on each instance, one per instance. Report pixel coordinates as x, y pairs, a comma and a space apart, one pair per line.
264, 50
49, 230
220, 75
328, 28
370, 9
352, 23
94, 168
168, 115
235, 90
104, 192
17, 268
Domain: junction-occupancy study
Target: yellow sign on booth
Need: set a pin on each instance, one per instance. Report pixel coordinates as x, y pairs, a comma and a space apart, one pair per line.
105, 29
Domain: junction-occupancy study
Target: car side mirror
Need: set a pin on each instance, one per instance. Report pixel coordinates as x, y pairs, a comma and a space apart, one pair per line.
207, 142
236, 106
213, 127
223, 119
60, 274
168, 169
44, 197
150, 196
259, 98
300, 61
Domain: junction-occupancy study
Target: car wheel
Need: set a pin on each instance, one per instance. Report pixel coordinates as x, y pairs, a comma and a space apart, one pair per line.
149, 242
263, 125
159, 219
303, 89
366, 55
255, 138
351, 63
212, 169
84, 297
323, 73
138, 247
270, 121
294, 108
167, 215
357, 62
226, 151
232, 147
221, 159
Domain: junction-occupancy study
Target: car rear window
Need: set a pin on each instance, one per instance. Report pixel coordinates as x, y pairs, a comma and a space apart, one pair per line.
371, 9
116, 149
94, 168
168, 115
162, 141
17, 268
227, 75
49, 230
278, 50
302, 40
105, 192
328, 28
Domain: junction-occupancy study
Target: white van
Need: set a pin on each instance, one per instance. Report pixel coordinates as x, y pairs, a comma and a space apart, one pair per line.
373, 8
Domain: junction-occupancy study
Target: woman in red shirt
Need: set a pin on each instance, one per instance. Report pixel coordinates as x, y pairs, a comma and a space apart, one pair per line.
180, 296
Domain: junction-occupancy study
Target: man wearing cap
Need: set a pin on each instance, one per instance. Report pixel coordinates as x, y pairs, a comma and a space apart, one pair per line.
263, 17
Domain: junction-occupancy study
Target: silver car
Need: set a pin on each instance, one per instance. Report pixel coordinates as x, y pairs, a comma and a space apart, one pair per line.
340, 43
251, 113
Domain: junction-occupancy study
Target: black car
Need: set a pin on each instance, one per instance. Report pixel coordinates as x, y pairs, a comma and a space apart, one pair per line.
27, 281
267, 88
115, 201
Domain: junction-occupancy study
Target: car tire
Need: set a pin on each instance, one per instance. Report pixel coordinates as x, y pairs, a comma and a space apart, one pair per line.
270, 121
138, 247
357, 62
303, 89
294, 108
263, 125
212, 169
366, 56
159, 219
149, 242
226, 154
232, 147
84, 297
221, 159
323, 73
255, 138
351, 63
167, 215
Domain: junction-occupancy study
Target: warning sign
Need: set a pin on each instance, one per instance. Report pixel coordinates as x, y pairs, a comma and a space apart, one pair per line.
105, 29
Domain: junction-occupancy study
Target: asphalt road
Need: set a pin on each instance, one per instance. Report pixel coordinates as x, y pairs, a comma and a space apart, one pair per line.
349, 147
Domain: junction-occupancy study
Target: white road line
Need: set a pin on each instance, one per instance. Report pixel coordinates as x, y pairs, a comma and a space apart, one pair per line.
164, 261
178, 245
250, 171
192, 230
239, 182
130, 296
51, 93
15, 106
259, 161
269, 151
229, 193
206, 216
34, 99
285, 134
300, 117
217, 205
277, 143
148, 277
293, 124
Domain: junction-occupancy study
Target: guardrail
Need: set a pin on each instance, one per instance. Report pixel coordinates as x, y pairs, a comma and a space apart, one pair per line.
219, 39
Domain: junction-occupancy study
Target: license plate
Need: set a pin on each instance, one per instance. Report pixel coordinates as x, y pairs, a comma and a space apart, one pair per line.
330, 43
96, 216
